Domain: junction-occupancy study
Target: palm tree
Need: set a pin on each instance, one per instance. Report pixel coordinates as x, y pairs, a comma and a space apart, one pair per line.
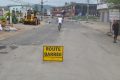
7, 16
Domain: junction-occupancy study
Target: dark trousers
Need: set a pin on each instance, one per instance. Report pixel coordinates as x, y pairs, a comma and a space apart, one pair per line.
115, 35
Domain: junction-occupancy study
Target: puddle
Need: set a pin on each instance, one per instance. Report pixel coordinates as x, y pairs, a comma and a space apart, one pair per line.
2, 47
6, 49
3, 52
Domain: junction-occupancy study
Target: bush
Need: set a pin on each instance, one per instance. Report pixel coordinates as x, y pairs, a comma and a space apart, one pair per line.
79, 17
2, 18
3, 21
21, 20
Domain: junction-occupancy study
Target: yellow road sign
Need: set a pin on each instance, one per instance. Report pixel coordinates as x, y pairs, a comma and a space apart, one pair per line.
53, 53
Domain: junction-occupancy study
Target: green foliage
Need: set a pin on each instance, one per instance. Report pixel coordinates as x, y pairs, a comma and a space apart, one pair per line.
21, 20
2, 18
114, 1
7, 14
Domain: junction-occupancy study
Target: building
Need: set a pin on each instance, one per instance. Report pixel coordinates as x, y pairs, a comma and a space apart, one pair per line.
102, 7
81, 9
108, 12
46, 9
18, 11
58, 11
3, 11
75, 9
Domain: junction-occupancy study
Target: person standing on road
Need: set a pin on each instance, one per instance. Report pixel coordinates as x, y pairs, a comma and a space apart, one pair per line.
1, 26
115, 28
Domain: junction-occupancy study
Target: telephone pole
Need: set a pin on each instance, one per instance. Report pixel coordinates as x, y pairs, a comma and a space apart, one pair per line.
42, 10
87, 9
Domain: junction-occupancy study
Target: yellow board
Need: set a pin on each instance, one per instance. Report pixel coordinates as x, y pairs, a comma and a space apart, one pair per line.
53, 53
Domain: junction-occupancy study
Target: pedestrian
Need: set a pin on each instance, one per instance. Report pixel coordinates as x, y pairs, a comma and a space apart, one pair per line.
1, 26
59, 21
49, 19
115, 28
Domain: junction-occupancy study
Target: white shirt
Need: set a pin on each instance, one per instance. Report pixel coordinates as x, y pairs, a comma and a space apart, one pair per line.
60, 20
1, 27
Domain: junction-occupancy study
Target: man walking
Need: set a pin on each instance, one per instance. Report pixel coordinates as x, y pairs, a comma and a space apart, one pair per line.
115, 28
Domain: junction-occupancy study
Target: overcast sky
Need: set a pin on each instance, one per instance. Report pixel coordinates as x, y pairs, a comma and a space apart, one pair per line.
49, 2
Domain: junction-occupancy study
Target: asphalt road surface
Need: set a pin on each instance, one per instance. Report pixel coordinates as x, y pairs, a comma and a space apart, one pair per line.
88, 54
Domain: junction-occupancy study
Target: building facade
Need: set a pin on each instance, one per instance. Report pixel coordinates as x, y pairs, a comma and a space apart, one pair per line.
75, 9
104, 12
81, 9
46, 9
102, 7
108, 12
3, 11
18, 11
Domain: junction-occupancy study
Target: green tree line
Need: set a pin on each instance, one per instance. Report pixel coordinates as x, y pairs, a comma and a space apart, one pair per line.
114, 1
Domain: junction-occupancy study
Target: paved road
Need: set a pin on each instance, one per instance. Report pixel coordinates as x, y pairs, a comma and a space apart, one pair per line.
88, 55
34, 36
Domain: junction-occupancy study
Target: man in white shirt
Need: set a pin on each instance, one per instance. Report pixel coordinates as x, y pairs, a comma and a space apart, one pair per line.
60, 21
1, 27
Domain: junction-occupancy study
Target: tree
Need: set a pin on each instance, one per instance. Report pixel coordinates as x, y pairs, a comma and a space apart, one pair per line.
114, 1
7, 14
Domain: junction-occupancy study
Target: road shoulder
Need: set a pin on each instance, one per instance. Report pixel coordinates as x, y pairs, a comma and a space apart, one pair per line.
99, 26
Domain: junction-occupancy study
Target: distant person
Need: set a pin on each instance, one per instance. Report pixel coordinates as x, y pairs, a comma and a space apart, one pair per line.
115, 28
1, 26
49, 19
60, 21
52, 16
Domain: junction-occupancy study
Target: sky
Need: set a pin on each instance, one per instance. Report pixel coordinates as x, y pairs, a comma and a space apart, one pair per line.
49, 2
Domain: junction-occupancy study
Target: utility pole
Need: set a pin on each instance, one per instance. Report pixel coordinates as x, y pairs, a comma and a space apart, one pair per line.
87, 9
9, 15
97, 1
41, 10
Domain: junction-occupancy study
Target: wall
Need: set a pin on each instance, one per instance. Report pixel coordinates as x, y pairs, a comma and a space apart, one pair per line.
104, 15
104, 12
114, 14
102, 6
